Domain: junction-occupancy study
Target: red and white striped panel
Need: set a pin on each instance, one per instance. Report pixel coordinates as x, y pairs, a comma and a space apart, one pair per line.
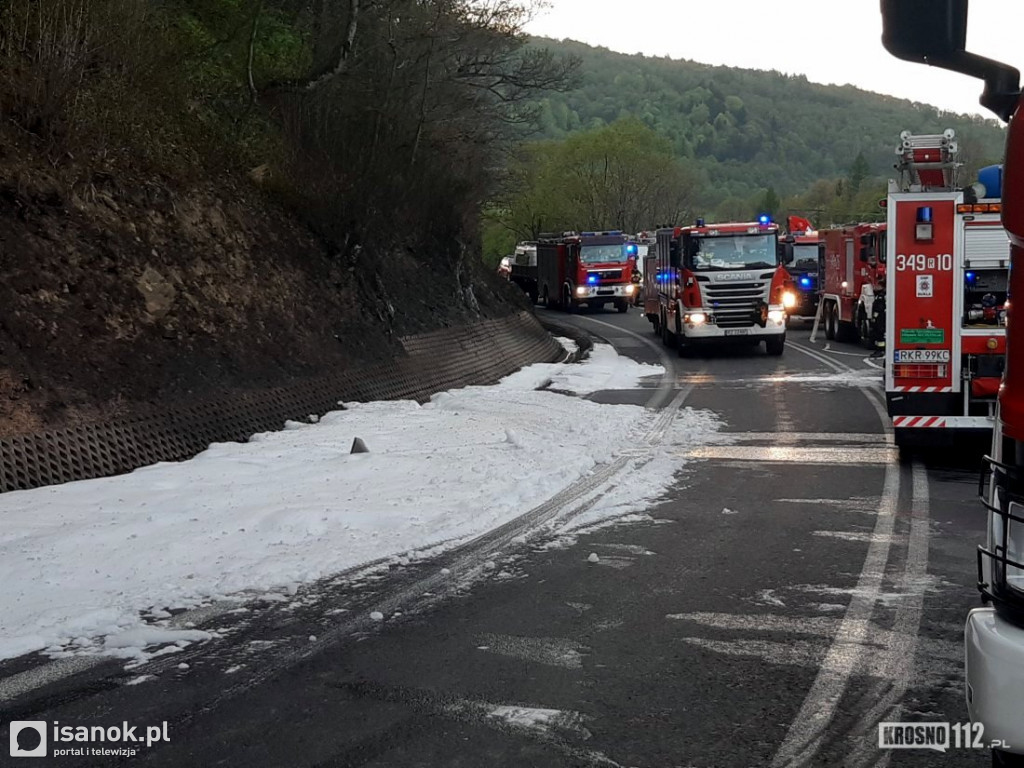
922, 389
905, 422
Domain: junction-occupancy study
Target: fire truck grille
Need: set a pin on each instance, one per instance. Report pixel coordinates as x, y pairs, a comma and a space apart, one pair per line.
607, 274
734, 304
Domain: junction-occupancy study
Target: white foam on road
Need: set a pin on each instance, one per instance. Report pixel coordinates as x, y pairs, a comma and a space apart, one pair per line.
105, 557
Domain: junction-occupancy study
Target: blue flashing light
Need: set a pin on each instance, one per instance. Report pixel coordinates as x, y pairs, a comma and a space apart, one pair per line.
631, 249
805, 282
592, 279
924, 214
970, 277
764, 219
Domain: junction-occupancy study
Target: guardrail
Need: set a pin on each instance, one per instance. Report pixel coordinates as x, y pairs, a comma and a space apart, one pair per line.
481, 353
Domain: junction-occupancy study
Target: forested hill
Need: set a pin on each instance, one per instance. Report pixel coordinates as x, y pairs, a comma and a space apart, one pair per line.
748, 130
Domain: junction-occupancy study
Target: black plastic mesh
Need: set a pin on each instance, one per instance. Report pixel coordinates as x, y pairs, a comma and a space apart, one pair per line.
454, 357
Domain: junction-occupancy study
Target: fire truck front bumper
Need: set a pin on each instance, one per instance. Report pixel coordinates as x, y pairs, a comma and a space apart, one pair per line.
702, 326
593, 293
994, 667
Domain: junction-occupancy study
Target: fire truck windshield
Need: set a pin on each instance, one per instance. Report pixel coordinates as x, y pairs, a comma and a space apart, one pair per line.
734, 252
805, 256
603, 254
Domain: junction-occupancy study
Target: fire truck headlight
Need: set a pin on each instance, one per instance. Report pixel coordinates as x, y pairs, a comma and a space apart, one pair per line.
777, 316
581, 291
788, 299
697, 318
629, 289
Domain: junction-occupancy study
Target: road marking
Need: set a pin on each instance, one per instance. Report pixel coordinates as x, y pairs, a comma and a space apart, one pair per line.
782, 454
843, 438
809, 727
897, 656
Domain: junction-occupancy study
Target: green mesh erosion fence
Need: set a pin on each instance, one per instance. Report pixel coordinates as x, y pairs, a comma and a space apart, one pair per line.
481, 353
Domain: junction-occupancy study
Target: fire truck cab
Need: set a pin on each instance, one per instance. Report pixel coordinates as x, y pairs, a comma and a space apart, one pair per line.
948, 259
803, 247
721, 283
592, 268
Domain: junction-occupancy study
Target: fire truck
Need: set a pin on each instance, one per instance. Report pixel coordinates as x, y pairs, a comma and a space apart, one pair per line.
935, 32
802, 246
592, 268
723, 283
853, 275
948, 256
523, 270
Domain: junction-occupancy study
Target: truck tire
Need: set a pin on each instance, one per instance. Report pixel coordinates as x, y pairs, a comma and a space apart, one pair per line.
656, 322
567, 300
533, 295
775, 345
622, 305
830, 321
546, 299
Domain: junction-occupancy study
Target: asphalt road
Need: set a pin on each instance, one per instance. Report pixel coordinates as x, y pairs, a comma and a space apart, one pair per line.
800, 582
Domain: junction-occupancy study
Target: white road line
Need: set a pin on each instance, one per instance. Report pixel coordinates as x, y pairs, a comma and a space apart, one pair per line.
844, 655
667, 384
811, 723
898, 656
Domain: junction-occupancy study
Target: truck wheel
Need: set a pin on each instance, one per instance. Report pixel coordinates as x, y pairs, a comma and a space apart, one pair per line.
656, 322
533, 295
545, 299
775, 345
622, 305
830, 321
567, 300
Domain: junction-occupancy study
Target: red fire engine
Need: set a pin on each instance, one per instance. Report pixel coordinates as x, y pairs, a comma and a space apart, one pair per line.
592, 268
802, 246
935, 32
721, 283
947, 286
853, 276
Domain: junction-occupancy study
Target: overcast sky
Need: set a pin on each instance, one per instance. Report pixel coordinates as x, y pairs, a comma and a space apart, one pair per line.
829, 41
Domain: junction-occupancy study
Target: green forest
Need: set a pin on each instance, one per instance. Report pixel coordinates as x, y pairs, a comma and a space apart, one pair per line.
729, 142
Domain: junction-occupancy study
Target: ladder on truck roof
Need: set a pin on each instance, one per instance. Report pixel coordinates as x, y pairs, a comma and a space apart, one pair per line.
927, 162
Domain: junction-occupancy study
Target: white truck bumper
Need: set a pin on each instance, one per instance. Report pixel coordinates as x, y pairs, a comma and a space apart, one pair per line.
605, 292
994, 667
710, 331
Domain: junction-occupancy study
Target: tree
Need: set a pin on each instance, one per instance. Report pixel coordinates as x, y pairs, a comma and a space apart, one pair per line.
620, 176
769, 203
859, 171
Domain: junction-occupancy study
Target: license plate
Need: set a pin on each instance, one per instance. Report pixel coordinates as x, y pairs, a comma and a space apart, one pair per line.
605, 291
737, 331
921, 356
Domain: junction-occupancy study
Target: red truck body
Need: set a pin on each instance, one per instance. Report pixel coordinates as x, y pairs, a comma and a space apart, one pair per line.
853, 274
591, 268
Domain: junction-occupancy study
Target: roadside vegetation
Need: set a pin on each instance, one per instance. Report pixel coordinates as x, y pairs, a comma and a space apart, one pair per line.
730, 143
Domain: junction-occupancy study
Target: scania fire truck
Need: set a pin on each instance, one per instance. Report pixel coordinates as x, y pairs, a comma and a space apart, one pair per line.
853, 276
935, 32
803, 243
592, 268
722, 283
948, 256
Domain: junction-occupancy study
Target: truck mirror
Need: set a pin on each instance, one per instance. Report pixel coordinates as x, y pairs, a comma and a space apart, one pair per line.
934, 32
786, 253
